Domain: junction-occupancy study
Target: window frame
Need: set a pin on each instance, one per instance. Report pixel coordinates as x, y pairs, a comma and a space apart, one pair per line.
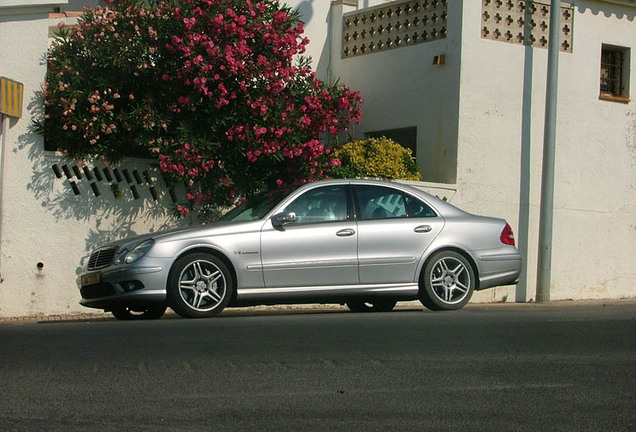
348, 205
611, 87
404, 198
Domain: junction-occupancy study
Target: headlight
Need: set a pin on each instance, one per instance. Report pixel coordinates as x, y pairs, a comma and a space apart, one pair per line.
139, 251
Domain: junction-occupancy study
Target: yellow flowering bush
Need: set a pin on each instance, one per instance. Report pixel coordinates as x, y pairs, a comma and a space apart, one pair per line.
377, 158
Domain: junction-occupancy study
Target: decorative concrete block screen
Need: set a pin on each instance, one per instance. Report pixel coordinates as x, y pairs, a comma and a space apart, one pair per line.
394, 25
523, 22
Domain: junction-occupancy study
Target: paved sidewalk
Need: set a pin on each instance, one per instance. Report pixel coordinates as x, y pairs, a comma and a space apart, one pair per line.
317, 308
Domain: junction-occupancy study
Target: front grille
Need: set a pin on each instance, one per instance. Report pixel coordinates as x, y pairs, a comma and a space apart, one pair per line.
97, 291
101, 258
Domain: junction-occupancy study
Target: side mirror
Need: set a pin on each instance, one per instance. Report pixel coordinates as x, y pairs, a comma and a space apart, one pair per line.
281, 219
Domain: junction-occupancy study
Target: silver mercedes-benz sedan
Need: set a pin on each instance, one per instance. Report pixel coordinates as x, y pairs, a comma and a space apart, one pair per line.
364, 243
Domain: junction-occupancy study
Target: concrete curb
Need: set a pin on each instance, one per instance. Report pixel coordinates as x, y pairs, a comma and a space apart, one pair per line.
318, 308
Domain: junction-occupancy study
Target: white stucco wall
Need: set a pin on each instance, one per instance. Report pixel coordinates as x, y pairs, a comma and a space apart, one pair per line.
500, 151
595, 222
43, 221
316, 18
19, 290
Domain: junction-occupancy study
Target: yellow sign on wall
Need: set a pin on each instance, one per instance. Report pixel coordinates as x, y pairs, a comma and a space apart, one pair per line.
11, 93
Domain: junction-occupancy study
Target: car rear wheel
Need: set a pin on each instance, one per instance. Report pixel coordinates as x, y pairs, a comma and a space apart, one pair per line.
149, 312
447, 282
377, 305
199, 286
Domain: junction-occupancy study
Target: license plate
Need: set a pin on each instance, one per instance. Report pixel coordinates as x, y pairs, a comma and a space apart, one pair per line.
90, 279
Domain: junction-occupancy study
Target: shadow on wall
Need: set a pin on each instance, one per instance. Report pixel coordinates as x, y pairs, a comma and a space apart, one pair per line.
117, 201
305, 10
321, 62
609, 10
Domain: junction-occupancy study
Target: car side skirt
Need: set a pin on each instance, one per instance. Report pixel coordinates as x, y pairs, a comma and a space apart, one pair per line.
324, 294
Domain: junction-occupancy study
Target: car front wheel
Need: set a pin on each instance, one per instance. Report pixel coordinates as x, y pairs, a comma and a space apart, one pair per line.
199, 286
447, 282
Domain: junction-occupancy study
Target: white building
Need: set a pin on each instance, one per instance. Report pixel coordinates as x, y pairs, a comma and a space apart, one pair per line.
478, 121
461, 82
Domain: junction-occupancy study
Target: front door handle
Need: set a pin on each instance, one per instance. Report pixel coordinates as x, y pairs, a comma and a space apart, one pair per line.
423, 229
346, 232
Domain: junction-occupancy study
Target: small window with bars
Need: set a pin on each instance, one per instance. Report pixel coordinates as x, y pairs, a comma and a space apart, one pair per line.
614, 83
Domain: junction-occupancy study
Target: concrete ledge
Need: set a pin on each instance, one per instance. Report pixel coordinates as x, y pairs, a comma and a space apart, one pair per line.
31, 3
67, 14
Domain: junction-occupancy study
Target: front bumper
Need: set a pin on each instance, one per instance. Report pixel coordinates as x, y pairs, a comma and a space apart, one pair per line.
123, 285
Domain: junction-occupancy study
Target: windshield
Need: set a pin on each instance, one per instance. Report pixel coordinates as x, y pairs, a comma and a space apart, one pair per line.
256, 207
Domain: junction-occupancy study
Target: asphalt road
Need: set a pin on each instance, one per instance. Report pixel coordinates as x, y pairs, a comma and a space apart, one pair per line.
478, 369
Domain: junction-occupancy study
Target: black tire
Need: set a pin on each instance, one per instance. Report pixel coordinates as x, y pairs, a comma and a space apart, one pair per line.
148, 312
199, 286
376, 305
447, 281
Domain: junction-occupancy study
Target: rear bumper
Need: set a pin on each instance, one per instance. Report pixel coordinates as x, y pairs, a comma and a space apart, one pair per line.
497, 268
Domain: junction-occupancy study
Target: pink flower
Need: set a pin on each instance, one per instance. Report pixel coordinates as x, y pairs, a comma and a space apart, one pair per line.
235, 93
183, 210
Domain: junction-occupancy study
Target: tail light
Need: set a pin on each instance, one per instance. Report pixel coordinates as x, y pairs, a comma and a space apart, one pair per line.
507, 236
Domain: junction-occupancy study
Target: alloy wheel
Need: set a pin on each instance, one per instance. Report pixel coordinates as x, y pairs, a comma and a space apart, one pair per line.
202, 285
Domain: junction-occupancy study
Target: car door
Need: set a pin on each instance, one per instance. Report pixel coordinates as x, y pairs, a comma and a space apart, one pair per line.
319, 248
394, 230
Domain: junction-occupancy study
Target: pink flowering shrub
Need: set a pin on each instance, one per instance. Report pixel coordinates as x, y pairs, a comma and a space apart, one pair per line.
210, 88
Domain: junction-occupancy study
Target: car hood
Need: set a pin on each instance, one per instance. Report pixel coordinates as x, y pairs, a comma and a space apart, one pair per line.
175, 234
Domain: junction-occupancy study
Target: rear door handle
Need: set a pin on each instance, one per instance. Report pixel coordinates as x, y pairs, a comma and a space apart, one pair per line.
346, 232
423, 229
